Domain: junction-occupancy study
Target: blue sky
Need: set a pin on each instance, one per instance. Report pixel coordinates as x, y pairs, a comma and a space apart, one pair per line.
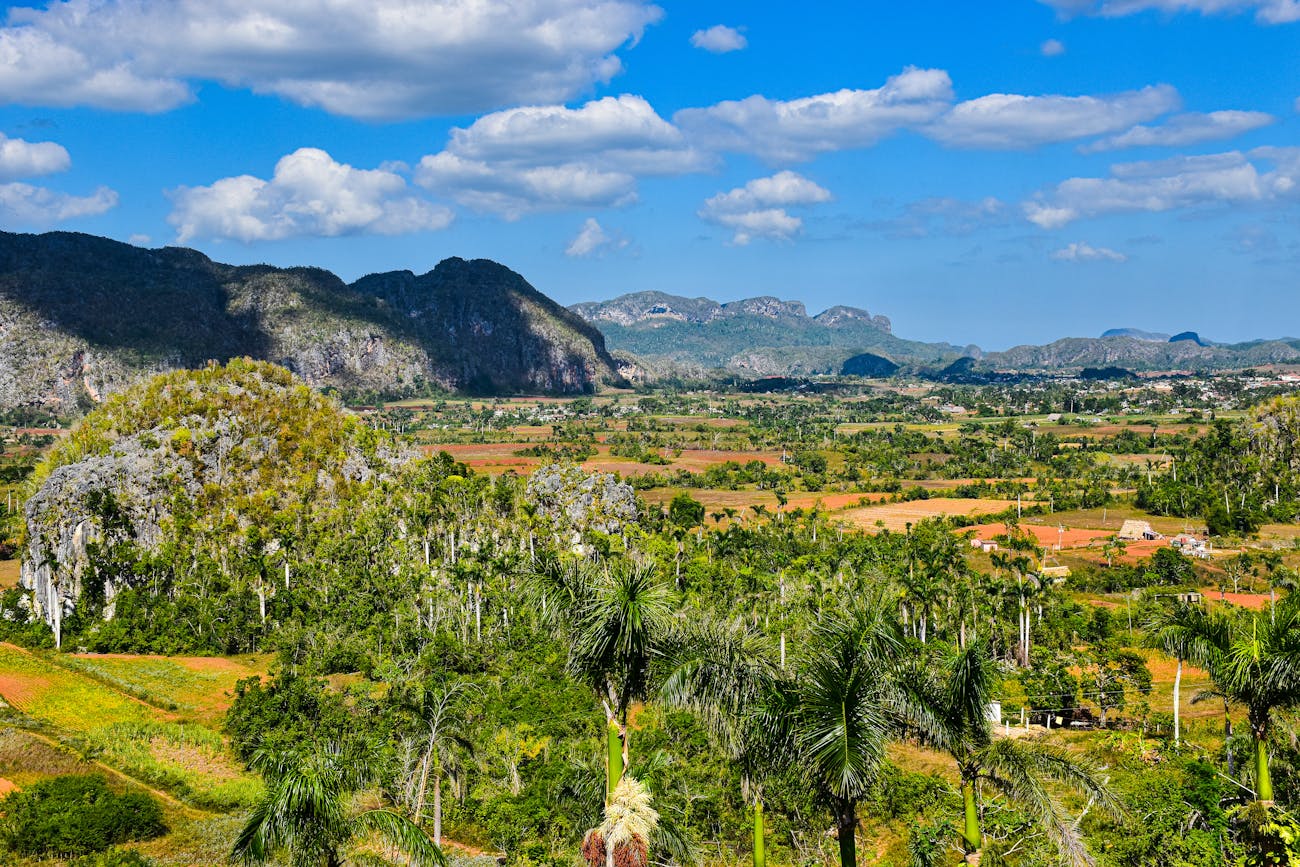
997, 173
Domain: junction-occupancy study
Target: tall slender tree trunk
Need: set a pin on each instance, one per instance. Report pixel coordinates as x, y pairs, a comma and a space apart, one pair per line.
1178, 682
847, 829
1263, 778
437, 807
972, 840
760, 856
615, 758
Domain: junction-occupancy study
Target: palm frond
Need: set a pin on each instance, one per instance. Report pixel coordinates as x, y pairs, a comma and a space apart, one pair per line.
1018, 769
403, 834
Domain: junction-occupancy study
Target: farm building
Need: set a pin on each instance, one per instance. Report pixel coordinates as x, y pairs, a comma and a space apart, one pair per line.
1191, 546
985, 545
1134, 531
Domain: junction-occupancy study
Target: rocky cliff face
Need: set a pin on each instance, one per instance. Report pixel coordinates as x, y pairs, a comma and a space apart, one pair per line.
82, 317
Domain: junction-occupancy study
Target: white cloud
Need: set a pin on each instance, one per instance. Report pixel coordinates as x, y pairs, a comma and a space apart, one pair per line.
1185, 129
26, 205
592, 240
799, 129
24, 159
1052, 48
1006, 120
309, 195
362, 58
1081, 252
139, 239
1266, 11
719, 39
536, 158
1231, 178
514, 192
620, 133
757, 210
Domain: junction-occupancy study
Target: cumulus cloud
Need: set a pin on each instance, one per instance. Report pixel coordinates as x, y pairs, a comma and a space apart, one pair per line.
23, 204
24, 159
536, 158
309, 194
799, 129
1052, 48
592, 240
1266, 11
1006, 120
719, 39
758, 209
622, 133
513, 192
27, 205
372, 59
1081, 252
1185, 129
1231, 178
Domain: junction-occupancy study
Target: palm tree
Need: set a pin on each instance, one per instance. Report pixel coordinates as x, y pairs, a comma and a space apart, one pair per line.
958, 702
307, 810
843, 708
725, 674
445, 743
1259, 668
831, 714
1184, 632
617, 616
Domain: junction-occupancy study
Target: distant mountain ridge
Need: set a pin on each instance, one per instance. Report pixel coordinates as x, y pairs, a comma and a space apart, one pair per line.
1136, 334
760, 336
767, 336
82, 316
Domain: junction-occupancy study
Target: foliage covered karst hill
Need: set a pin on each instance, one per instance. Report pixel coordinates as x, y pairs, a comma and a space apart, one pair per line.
215, 470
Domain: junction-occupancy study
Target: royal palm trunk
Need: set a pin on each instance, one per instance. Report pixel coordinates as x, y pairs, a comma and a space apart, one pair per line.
970, 834
615, 759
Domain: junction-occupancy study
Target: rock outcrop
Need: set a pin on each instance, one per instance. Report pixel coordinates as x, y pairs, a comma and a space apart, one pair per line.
82, 317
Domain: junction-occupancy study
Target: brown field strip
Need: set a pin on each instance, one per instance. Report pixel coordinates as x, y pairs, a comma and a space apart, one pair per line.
896, 516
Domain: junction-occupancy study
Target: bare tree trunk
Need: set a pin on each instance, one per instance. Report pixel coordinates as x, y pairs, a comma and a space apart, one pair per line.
437, 807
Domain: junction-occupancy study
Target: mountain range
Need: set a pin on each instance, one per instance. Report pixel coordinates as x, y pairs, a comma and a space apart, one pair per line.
762, 336
82, 316
769, 337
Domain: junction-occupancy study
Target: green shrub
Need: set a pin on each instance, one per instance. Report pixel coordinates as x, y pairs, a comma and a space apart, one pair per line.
76, 815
